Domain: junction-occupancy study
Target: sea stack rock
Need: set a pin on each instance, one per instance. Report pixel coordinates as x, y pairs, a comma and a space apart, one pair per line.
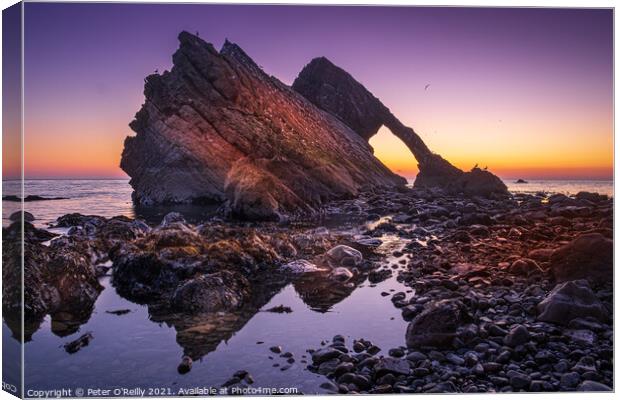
216, 128
337, 92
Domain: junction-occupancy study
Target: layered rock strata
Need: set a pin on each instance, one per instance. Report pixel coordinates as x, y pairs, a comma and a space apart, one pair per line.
216, 128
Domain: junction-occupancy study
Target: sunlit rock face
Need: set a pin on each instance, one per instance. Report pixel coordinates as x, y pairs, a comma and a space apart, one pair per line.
216, 128
337, 92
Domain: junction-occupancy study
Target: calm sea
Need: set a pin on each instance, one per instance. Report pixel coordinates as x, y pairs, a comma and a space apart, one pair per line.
113, 197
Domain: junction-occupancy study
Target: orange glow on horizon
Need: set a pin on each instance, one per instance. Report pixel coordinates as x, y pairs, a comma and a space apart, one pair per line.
509, 159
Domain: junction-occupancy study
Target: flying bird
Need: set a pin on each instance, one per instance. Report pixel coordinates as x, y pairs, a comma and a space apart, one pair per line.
427, 85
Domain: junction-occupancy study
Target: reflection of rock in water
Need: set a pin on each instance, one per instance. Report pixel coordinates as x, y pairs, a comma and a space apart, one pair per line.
68, 322
13, 320
321, 292
200, 334
208, 281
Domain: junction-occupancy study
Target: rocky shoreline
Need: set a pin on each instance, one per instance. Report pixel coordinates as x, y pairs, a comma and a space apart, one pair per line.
505, 294
509, 296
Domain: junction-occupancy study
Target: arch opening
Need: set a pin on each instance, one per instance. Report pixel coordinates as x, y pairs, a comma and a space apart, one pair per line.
394, 153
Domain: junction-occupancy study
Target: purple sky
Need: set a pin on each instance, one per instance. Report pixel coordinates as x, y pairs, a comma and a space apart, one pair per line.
541, 72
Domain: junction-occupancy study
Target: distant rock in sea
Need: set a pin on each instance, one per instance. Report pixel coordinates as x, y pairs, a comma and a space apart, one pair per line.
521, 181
216, 128
31, 198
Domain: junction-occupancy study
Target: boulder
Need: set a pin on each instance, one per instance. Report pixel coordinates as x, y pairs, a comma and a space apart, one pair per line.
18, 215
216, 128
437, 325
518, 335
589, 256
325, 354
341, 274
220, 291
593, 197
524, 266
344, 255
59, 279
392, 365
570, 300
592, 386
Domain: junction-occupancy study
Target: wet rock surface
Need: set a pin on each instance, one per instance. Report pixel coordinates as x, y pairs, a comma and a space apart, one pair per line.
589, 256
59, 280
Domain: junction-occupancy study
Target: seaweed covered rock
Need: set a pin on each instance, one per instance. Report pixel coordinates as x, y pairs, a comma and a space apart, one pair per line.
59, 279
220, 291
173, 252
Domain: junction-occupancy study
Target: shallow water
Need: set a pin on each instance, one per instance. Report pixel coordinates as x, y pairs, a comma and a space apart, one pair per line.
111, 197
105, 197
133, 351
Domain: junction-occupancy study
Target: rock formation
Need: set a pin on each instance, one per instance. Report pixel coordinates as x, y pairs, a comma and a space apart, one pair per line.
336, 91
216, 128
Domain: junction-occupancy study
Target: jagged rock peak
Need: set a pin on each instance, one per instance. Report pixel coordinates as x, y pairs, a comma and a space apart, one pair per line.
216, 128
233, 50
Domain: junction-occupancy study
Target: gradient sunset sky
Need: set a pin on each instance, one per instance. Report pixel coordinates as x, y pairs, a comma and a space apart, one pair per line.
526, 92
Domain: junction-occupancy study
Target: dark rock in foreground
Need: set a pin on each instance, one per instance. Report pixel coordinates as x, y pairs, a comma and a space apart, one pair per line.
216, 128
220, 291
59, 279
570, 300
589, 256
437, 325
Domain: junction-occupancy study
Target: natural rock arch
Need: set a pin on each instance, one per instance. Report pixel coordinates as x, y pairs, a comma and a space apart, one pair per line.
337, 92
217, 128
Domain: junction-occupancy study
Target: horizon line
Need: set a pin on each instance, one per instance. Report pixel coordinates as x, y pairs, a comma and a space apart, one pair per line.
562, 178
